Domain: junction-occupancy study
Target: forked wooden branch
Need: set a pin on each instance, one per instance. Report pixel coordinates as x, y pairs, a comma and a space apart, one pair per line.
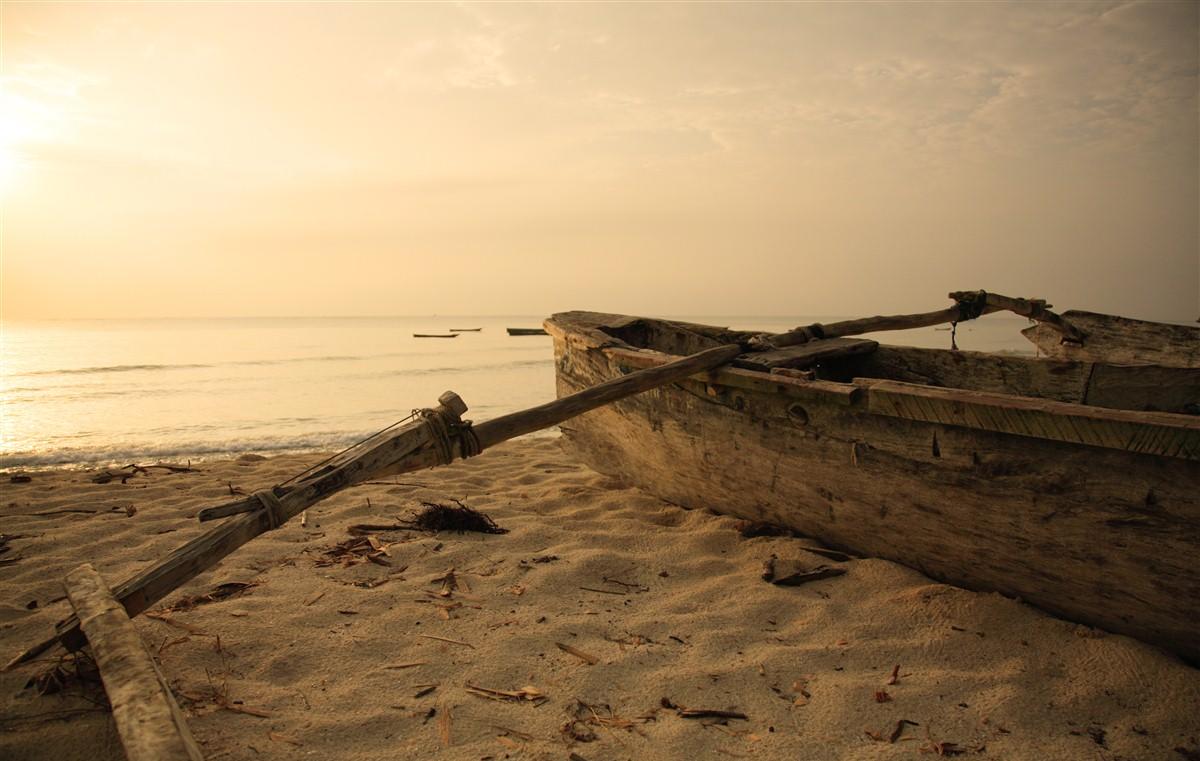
970, 304
417, 445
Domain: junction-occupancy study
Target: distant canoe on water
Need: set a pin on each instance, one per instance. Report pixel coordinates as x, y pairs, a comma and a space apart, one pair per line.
465, 330
435, 335
527, 332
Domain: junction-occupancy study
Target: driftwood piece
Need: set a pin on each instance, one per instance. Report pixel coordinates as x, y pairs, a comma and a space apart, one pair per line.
971, 304
151, 726
803, 577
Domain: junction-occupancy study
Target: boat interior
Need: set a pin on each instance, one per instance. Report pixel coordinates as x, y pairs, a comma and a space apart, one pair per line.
1138, 387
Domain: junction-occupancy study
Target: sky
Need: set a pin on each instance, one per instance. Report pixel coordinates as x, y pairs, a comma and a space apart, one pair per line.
246, 159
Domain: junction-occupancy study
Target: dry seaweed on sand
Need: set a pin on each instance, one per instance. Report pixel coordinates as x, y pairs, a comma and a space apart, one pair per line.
434, 517
68, 670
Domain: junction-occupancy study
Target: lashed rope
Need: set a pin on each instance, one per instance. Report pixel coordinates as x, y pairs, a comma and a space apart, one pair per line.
446, 430
272, 507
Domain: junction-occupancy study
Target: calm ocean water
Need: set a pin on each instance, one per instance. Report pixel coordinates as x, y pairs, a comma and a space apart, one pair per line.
102, 391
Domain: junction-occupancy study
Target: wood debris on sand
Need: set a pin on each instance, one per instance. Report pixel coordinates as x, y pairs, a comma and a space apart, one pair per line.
220, 592
591, 660
358, 549
129, 471
525, 694
702, 713
798, 575
582, 717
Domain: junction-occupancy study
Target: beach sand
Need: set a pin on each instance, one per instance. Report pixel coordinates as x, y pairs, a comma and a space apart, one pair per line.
604, 600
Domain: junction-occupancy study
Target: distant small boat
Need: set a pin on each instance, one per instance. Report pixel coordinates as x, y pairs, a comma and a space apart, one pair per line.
435, 335
465, 330
527, 332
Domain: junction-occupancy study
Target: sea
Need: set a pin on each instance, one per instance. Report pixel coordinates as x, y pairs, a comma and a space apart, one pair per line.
92, 392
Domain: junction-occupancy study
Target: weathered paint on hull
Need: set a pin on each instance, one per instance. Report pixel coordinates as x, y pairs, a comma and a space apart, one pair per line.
1104, 537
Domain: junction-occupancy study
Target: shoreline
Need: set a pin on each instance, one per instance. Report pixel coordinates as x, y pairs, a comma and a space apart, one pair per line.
338, 651
183, 457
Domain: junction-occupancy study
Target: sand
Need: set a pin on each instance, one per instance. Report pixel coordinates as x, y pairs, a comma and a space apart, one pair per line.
668, 603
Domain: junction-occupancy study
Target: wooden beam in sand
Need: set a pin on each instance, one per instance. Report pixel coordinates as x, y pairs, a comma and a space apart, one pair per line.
151, 726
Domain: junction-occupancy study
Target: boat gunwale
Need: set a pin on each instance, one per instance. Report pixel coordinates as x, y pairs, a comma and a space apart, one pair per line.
588, 336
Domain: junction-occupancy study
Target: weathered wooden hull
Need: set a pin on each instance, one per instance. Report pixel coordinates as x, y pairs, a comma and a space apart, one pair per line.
1121, 339
1096, 534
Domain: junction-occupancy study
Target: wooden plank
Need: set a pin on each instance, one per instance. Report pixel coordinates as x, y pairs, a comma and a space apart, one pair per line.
1156, 433
1121, 340
806, 355
151, 726
750, 380
1060, 380
1145, 387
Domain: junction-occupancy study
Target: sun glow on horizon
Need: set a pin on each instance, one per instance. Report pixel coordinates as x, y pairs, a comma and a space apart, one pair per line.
22, 123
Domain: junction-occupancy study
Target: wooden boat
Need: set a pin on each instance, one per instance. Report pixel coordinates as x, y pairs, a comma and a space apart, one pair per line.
1072, 482
526, 332
435, 335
